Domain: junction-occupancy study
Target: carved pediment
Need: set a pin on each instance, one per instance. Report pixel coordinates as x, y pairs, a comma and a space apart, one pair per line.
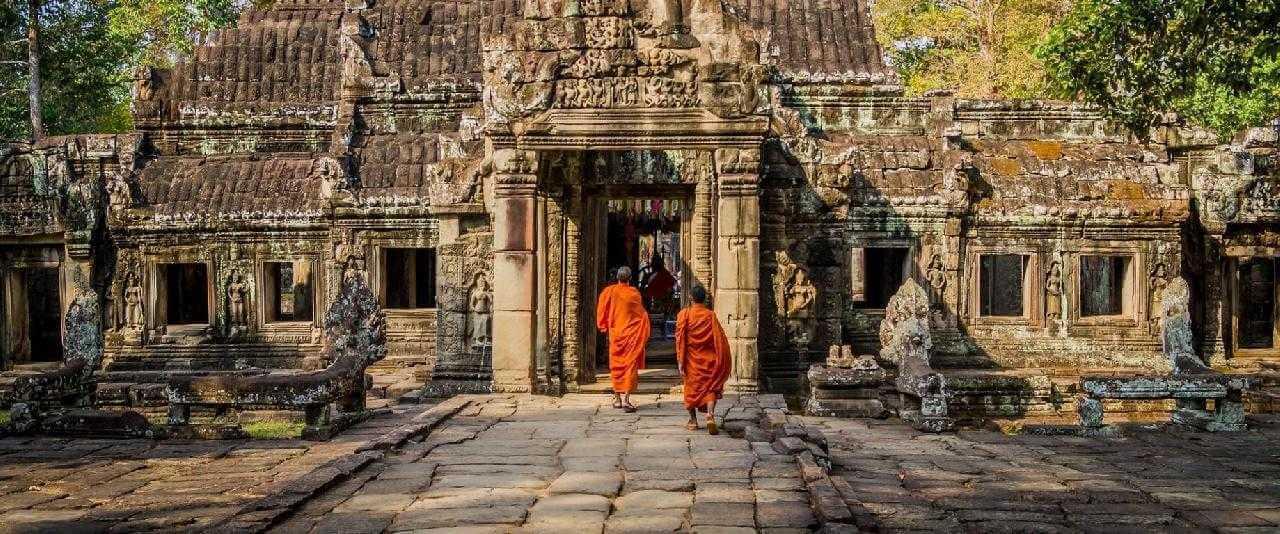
614, 55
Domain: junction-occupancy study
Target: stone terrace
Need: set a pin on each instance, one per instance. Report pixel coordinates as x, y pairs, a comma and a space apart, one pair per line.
99, 485
574, 464
897, 479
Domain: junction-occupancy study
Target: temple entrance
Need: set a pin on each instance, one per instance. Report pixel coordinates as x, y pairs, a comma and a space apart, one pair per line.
32, 298
650, 235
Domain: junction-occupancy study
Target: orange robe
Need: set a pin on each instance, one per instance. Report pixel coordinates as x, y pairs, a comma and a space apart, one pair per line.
703, 352
621, 313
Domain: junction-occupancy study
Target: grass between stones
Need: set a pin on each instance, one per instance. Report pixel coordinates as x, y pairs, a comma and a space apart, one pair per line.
4, 417
274, 429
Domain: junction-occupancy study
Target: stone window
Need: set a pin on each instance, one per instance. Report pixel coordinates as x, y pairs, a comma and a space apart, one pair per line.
1104, 285
186, 293
289, 291
1256, 303
409, 278
1001, 285
877, 273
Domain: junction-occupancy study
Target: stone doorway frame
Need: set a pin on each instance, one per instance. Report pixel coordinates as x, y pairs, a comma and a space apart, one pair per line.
597, 199
518, 223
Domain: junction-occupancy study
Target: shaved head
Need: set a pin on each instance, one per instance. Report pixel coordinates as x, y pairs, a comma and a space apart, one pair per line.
699, 294
624, 274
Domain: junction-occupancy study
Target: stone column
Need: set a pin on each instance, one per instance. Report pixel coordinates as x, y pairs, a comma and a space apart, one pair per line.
737, 275
514, 270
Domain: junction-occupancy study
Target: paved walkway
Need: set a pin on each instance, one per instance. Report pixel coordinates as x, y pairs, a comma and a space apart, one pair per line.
97, 485
573, 464
897, 479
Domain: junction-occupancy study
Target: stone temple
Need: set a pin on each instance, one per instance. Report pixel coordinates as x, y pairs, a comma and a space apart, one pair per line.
485, 164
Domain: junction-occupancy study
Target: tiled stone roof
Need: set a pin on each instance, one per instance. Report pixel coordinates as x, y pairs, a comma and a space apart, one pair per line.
231, 187
290, 53
829, 40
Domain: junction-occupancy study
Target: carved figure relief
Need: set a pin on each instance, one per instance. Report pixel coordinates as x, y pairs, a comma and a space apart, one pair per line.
1053, 293
236, 292
1158, 283
937, 277
795, 298
133, 317
480, 313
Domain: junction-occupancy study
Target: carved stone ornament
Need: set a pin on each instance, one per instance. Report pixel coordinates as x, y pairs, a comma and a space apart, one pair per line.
1176, 335
1158, 283
133, 317
908, 343
332, 176
796, 297
237, 291
480, 313
1053, 292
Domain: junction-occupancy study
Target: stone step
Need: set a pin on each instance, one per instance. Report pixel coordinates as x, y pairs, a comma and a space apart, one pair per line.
652, 381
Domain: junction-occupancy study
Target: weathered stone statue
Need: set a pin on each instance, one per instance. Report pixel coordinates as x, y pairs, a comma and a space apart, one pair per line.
236, 293
907, 343
480, 313
1175, 320
1053, 292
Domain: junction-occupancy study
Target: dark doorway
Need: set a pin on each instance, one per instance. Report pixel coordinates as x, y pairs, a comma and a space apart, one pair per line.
410, 278
187, 292
1257, 303
647, 235
44, 310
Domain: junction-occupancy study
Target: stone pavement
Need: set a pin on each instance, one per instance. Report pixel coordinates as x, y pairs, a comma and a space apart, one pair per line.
99, 485
572, 464
897, 479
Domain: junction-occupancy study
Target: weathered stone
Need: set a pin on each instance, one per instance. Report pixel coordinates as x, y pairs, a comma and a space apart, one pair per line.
653, 499
595, 483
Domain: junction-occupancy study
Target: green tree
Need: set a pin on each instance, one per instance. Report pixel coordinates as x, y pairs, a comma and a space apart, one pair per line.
87, 50
83, 81
164, 30
978, 48
1217, 62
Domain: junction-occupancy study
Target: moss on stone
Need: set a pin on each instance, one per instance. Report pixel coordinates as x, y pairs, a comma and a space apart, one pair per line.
4, 417
274, 429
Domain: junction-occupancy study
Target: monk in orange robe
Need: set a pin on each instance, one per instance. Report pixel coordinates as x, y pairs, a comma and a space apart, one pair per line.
702, 351
620, 313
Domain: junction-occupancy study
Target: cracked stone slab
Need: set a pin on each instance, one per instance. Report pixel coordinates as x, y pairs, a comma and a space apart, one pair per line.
589, 482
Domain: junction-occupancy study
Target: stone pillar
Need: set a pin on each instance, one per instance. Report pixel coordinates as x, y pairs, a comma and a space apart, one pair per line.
514, 269
737, 275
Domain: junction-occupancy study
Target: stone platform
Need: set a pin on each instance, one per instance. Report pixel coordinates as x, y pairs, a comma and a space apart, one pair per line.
896, 479
502, 463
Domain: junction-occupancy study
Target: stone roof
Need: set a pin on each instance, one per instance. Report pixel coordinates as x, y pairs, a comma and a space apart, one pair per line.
417, 169
291, 52
181, 189
824, 40
288, 54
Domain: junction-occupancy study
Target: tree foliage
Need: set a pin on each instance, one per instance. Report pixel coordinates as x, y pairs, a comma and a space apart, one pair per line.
163, 30
1215, 61
84, 80
978, 48
89, 48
